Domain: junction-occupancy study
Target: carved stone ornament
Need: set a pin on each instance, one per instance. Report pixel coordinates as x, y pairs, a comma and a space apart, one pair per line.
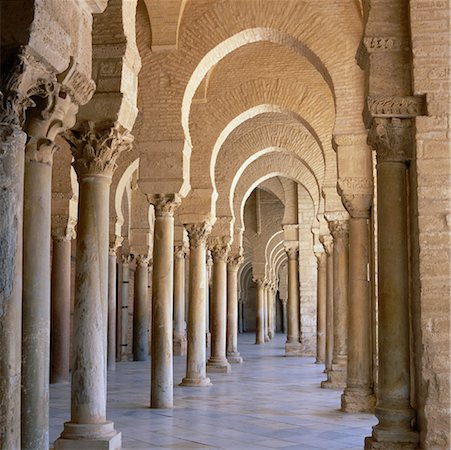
165, 205
63, 227
126, 259
392, 139
219, 247
320, 259
77, 84
180, 251
357, 195
327, 242
198, 233
235, 261
292, 251
259, 282
378, 44
96, 147
115, 242
142, 261
339, 229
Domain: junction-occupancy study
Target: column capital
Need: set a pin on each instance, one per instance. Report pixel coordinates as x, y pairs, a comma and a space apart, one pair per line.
321, 258
165, 204
339, 229
96, 147
392, 139
126, 259
198, 233
292, 250
259, 282
219, 247
235, 261
357, 195
142, 260
115, 242
327, 242
180, 251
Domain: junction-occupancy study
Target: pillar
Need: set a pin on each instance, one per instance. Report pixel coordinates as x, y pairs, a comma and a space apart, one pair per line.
284, 302
95, 150
240, 315
141, 310
218, 308
60, 323
161, 386
321, 307
292, 345
266, 311
196, 355
336, 378
393, 140
358, 395
233, 355
180, 343
124, 307
12, 146
259, 325
208, 275
112, 279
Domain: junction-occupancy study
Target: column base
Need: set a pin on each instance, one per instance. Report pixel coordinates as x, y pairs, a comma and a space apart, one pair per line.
293, 349
234, 358
101, 436
354, 400
391, 440
267, 338
270, 335
218, 365
336, 379
319, 361
208, 339
196, 382
180, 346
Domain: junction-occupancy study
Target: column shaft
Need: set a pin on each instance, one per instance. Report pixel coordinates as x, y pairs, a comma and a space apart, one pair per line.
180, 343
358, 395
141, 310
259, 326
61, 286
112, 279
12, 145
124, 307
284, 316
233, 355
321, 308
293, 346
196, 355
266, 313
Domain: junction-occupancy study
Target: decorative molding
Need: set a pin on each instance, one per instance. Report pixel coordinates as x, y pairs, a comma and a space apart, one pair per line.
77, 84
392, 139
348, 140
96, 147
165, 205
355, 185
378, 44
198, 233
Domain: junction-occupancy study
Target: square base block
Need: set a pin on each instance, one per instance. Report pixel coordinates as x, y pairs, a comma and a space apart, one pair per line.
218, 366
293, 349
356, 401
180, 347
196, 382
234, 358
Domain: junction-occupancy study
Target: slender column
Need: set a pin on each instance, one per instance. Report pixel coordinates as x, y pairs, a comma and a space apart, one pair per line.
321, 308
240, 315
266, 312
196, 356
336, 378
271, 314
180, 343
233, 355
112, 278
141, 310
162, 301
293, 346
208, 276
124, 307
95, 152
12, 146
119, 309
61, 284
259, 326
284, 302
393, 141
358, 395
218, 361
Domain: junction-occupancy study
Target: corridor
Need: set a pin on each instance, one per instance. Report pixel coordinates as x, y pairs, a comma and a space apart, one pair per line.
271, 401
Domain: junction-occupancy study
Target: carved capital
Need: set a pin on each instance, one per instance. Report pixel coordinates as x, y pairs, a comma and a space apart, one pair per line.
115, 242
292, 251
77, 84
96, 147
180, 251
235, 261
142, 261
357, 195
198, 233
327, 242
63, 227
60, 234
392, 139
165, 205
259, 282
320, 259
126, 259
339, 229
219, 248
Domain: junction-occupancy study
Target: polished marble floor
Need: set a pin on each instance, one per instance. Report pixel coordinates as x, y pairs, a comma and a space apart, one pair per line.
269, 402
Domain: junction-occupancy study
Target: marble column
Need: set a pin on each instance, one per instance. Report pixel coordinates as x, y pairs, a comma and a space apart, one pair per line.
393, 140
218, 308
292, 345
284, 302
259, 323
12, 152
112, 279
358, 395
124, 307
161, 386
208, 276
266, 312
196, 355
328, 247
336, 377
60, 301
321, 307
240, 315
180, 342
233, 355
95, 150
141, 309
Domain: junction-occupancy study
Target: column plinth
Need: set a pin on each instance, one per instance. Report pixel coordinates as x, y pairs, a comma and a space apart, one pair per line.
233, 355
196, 355
179, 339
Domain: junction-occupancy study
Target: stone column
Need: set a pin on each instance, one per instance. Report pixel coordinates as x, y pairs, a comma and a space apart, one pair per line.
328, 247
240, 315
124, 307
196, 356
42, 128
112, 278
12, 146
180, 343
321, 308
336, 377
393, 140
61, 285
266, 311
358, 395
259, 328
233, 355
162, 301
208, 277
218, 309
284, 302
292, 345
141, 310
95, 151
